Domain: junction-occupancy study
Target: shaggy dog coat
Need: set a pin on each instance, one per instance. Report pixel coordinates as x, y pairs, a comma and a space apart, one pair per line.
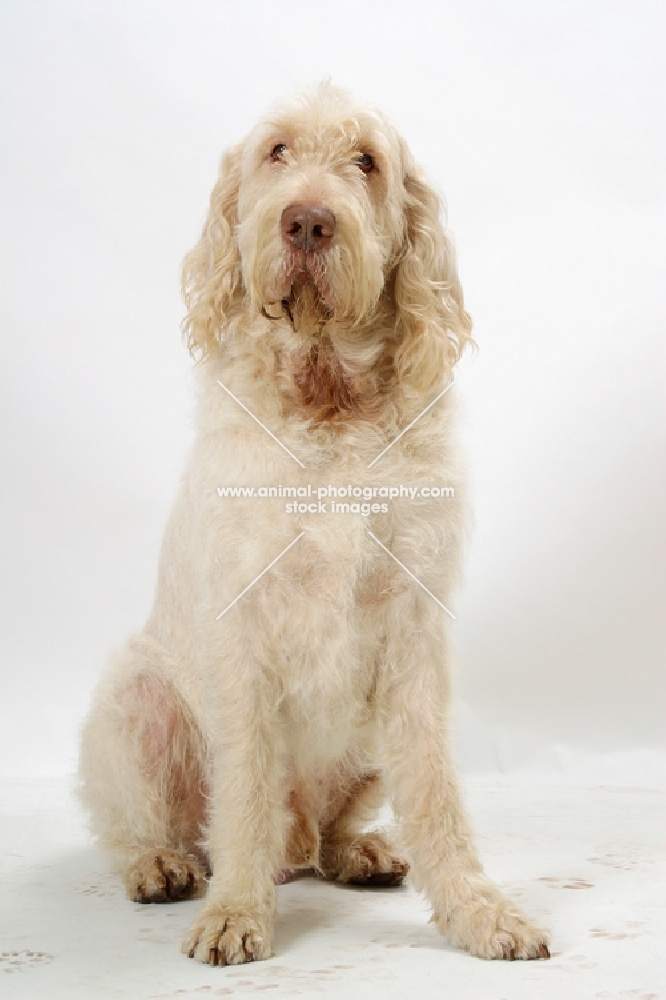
242, 736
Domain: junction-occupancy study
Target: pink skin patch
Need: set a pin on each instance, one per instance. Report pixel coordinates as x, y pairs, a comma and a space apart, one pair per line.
283, 875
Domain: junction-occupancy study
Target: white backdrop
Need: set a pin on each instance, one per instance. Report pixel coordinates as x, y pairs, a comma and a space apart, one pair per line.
543, 124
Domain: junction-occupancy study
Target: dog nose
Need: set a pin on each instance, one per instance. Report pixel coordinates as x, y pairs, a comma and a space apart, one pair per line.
307, 227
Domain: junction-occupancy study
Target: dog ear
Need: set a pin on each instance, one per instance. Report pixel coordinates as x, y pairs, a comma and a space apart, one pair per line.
431, 322
211, 277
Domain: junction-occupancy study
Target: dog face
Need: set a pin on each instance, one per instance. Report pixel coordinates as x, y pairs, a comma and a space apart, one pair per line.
321, 218
321, 209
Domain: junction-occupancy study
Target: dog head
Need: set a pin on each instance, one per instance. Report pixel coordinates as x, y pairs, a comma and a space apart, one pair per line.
321, 218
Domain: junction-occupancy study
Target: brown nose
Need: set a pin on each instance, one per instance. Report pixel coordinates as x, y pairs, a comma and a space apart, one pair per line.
307, 227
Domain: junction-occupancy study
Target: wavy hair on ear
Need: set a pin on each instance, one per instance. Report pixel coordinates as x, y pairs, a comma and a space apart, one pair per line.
211, 276
432, 324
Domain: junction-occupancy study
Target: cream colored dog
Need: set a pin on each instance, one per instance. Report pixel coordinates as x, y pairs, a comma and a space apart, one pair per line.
244, 735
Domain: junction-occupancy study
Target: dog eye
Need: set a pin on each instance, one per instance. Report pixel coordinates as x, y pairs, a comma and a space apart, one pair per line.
365, 162
277, 151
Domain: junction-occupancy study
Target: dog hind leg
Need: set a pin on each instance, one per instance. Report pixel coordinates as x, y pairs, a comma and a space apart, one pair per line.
141, 771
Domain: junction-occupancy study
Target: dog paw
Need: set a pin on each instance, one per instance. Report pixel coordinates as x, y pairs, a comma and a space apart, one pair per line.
367, 860
164, 876
222, 937
494, 928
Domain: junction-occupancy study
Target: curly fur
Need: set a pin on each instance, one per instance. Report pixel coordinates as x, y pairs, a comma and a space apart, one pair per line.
262, 742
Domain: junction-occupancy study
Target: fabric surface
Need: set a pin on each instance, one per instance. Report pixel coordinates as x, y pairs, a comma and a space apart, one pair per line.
587, 862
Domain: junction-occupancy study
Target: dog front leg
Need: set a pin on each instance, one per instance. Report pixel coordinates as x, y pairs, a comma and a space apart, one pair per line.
246, 832
467, 906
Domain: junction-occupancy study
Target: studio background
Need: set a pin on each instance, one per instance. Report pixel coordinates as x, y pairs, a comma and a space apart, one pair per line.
543, 126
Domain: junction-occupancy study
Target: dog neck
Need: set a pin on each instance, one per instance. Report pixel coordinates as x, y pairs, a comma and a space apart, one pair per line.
342, 374
332, 369
325, 383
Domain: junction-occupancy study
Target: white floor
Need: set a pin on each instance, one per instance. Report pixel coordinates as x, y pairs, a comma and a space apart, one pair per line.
587, 862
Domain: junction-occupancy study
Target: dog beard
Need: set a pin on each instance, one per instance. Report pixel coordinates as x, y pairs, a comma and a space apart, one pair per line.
305, 307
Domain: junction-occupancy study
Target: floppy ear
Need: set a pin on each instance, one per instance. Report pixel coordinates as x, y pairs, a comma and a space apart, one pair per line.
432, 324
211, 278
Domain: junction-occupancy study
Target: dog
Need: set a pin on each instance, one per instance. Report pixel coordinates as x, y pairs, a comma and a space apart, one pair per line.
294, 671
